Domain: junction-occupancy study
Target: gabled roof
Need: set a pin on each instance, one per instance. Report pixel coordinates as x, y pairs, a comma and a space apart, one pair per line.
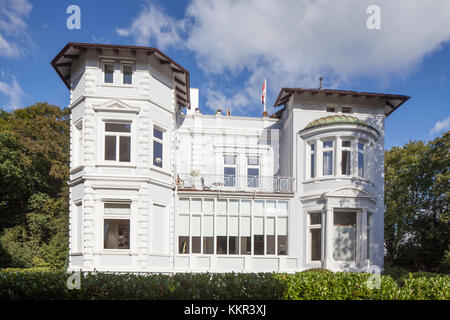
63, 61
392, 101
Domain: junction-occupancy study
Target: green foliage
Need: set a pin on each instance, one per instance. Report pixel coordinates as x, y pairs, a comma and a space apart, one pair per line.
34, 162
39, 283
417, 197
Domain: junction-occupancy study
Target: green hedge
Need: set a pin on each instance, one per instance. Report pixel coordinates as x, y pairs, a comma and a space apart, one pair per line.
311, 285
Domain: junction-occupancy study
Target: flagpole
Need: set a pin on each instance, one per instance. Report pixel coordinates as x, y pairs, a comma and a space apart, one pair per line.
265, 94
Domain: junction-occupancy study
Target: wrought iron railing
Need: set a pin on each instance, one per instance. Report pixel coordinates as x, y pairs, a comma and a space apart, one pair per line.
231, 182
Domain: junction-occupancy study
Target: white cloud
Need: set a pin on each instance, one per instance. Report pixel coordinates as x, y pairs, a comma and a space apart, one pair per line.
153, 24
441, 126
13, 92
294, 42
13, 26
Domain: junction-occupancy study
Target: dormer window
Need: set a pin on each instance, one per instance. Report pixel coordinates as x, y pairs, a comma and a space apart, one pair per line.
108, 70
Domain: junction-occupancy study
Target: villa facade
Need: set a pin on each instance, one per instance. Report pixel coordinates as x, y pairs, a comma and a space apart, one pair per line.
157, 186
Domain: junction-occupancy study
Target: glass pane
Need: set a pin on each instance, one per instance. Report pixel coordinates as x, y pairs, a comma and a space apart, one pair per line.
258, 206
229, 171
345, 162
116, 234
245, 226
127, 74
246, 245
316, 243
221, 245
233, 206
253, 161
221, 225
315, 218
118, 127
233, 226
183, 225
157, 154
313, 166
253, 172
282, 245
270, 246
196, 245
344, 218
110, 148
346, 144
271, 206
313, 147
222, 206
229, 160
328, 144
330, 109
208, 245
208, 205
328, 163
183, 244
346, 110
195, 227
117, 208
360, 146
270, 226
125, 149
183, 205
360, 164
109, 72
157, 133
344, 243
258, 225
246, 206
196, 205
282, 207
208, 226
233, 242
258, 244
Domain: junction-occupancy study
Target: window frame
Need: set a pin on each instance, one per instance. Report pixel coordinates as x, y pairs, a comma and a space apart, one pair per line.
233, 182
105, 62
78, 152
347, 110
162, 142
117, 136
350, 152
127, 64
127, 217
310, 227
333, 160
256, 180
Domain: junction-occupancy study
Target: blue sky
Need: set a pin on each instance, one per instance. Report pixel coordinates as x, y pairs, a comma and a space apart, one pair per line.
229, 48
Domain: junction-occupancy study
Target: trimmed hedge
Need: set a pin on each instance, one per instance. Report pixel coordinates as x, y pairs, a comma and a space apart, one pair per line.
310, 285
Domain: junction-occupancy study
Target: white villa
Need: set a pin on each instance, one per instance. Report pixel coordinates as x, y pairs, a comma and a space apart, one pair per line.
157, 186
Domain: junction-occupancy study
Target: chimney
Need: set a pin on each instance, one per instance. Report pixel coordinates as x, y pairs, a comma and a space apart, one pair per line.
228, 112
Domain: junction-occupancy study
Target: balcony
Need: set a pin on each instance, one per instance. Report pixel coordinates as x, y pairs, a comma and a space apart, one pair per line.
214, 182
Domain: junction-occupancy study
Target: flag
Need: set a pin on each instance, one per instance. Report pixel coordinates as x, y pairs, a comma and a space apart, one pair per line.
263, 94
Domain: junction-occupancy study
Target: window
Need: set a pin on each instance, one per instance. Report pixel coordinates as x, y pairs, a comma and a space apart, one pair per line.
229, 170
369, 231
344, 236
117, 141
327, 158
253, 172
158, 135
361, 160
108, 70
116, 225
315, 236
127, 74
313, 160
346, 110
224, 227
331, 109
346, 157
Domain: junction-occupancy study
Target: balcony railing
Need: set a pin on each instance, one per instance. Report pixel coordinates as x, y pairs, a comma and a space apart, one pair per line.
235, 183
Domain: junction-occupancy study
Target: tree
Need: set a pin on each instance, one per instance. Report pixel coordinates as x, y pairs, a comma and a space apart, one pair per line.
417, 194
34, 166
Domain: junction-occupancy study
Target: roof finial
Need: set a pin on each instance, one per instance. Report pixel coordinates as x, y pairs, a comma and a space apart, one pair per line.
320, 87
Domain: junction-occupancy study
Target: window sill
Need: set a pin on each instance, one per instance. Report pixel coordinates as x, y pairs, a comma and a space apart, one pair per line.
76, 169
123, 252
116, 165
118, 85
